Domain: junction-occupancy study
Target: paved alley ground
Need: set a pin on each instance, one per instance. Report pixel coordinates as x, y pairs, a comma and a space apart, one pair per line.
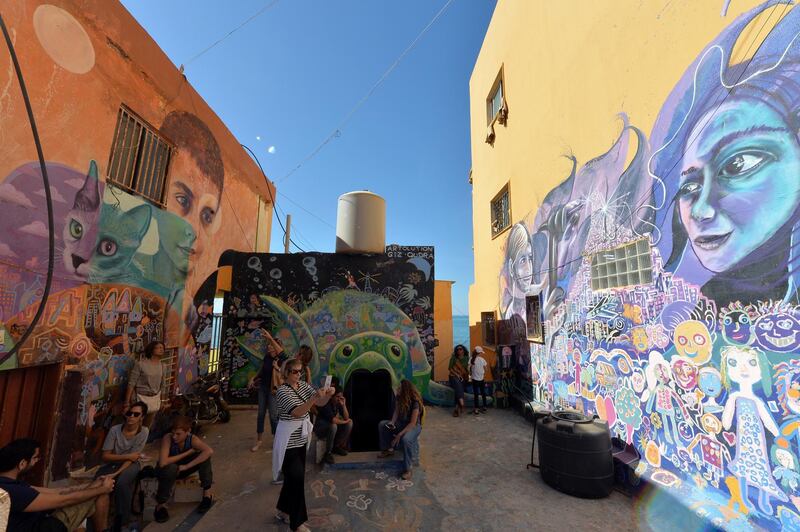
472, 477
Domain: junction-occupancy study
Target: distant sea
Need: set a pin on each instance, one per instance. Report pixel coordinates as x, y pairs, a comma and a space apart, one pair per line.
461, 330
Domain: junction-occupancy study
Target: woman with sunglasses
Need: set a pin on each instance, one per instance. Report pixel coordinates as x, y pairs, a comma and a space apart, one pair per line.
295, 398
122, 451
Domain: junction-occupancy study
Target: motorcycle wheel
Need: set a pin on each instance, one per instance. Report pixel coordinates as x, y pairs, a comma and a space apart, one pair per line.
224, 416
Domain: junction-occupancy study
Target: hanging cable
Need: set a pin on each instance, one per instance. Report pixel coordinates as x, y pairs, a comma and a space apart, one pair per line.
47, 195
271, 197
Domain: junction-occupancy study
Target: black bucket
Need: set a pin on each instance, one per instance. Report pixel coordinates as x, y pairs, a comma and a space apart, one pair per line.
575, 454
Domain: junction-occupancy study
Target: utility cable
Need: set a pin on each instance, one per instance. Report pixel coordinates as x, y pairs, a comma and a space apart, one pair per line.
271, 197
337, 132
47, 195
234, 30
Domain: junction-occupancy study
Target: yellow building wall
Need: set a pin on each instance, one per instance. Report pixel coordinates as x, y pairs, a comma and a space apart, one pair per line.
443, 325
569, 68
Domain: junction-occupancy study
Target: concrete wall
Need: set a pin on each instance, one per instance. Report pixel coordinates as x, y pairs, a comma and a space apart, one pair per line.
443, 317
126, 271
696, 362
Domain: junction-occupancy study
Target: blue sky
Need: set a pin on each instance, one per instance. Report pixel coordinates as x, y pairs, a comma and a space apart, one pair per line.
291, 76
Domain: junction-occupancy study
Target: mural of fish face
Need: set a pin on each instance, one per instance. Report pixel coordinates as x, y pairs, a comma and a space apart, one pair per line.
737, 328
372, 351
778, 332
693, 341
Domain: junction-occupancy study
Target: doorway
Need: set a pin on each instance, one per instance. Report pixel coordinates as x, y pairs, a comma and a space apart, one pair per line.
370, 399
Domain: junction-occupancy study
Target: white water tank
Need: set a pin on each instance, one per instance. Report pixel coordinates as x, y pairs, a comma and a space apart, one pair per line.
361, 223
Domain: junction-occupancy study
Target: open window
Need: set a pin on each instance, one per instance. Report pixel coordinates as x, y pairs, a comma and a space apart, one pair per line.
533, 318
489, 327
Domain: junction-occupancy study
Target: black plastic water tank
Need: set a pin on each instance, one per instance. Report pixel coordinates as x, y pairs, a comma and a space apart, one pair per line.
575, 454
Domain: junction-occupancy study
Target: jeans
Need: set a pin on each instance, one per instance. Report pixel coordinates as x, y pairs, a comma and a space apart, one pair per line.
334, 435
479, 386
169, 474
409, 442
264, 405
124, 485
272, 404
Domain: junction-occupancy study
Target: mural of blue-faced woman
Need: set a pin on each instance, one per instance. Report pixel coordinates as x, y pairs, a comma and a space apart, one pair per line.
726, 168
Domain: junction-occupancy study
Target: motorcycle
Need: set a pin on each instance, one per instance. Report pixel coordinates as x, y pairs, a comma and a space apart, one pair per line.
204, 404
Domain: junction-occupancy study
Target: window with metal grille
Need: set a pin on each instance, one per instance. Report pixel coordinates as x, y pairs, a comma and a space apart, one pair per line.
626, 265
489, 327
533, 318
139, 158
501, 212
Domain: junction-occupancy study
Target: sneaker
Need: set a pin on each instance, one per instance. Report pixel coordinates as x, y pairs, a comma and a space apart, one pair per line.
255, 447
276, 482
205, 505
282, 517
340, 451
328, 458
161, 515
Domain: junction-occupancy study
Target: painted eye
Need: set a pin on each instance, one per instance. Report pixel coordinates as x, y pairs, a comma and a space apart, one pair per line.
347, 350
785, 324
182, 200
396, 351
689, 188
765, 325
743, 163
107, 247
752, 362
727, 320
699, 339
682, 340
207, 216
75, 229
744, 320
732, 362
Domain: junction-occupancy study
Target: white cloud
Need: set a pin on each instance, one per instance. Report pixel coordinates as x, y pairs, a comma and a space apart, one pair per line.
5, 251
272, 149
36, 228
75, 182
53, 193
258, 138
11, 195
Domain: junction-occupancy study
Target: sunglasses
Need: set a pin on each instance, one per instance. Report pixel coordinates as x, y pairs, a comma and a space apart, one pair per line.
295, 371
133, 414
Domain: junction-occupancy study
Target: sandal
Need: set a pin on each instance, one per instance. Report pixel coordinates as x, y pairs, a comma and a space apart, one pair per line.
455, 412
255, 447
282, 517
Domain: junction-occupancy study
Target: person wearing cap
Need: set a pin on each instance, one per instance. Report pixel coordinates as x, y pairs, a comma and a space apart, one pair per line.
477, 370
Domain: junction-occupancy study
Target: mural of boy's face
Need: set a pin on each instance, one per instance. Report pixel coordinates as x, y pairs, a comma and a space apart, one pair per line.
739, 182
523, 270
195, 197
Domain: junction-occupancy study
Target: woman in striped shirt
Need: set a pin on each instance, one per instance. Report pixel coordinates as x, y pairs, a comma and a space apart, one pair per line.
295, 398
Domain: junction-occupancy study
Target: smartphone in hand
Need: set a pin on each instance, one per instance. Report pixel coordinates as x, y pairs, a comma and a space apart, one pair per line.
328, 379
390, 426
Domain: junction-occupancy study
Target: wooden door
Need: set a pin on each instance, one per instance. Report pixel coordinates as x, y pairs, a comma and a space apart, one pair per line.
28, 398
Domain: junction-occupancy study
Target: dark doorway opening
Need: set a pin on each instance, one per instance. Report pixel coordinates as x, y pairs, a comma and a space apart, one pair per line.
370, 399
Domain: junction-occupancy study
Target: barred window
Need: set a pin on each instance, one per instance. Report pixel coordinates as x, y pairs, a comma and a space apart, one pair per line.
501, 212
139, 158
626, 265
489, 327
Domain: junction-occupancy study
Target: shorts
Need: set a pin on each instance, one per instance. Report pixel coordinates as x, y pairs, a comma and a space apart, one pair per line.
72, 516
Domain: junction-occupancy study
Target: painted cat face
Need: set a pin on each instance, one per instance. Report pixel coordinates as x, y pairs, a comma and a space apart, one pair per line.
80, 226
119, 236
778, 332
693, 341
737, 328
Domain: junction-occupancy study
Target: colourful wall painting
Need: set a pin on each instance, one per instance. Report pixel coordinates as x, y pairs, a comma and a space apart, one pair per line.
356, 312
668, 272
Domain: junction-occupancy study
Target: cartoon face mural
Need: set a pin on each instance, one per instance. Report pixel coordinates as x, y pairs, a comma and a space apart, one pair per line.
778, 332
693, 341
700, 339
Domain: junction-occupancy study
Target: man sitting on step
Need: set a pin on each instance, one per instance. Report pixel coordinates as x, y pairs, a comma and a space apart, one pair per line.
333, 424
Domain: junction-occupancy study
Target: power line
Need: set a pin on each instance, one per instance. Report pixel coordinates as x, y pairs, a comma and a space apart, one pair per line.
298, 205
337, 131
272, 198
234, 30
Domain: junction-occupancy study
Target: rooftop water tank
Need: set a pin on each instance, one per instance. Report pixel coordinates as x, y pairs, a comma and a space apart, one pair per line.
361, 223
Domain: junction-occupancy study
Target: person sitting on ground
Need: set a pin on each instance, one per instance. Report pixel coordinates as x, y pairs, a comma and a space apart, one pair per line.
477, 370
48, 509
181, 455
334, 425
122, 452
405, 426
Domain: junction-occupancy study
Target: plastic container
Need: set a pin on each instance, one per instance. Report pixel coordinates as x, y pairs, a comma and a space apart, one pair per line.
575, 454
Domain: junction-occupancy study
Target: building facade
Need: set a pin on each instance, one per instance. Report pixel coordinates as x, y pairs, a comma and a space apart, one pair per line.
636, 202
147, 189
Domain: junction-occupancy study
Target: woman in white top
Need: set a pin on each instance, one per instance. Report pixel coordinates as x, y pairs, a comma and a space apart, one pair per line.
295, 398
477, 370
